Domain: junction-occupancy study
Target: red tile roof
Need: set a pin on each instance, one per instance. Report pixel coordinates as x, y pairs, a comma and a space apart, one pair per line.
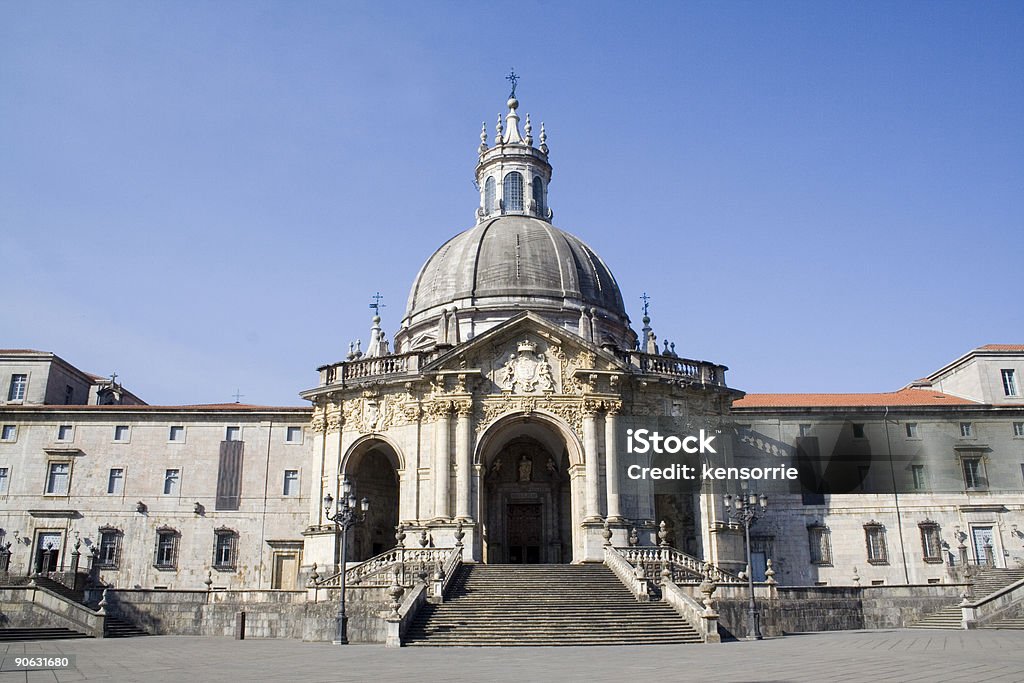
131, 408
1003, 347
903, 397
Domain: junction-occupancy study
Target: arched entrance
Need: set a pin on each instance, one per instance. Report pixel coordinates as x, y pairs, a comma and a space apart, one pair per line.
372, 467
526, 499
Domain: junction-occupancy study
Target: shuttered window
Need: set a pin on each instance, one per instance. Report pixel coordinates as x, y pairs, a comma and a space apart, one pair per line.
229, 475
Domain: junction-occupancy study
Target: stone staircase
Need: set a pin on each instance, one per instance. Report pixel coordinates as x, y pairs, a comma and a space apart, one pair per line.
553, 604
112, 626
986, 582
8, 635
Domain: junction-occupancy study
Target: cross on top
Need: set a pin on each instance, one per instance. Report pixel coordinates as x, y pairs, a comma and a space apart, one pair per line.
113, 378
512, 78
647, 301
238, 396
377, 305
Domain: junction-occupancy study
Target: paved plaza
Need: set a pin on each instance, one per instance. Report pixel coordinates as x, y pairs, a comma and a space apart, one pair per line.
898, 655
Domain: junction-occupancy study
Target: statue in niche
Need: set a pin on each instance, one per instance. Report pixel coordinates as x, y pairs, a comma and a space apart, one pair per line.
496, 468
552, 467
544, 378
525, 469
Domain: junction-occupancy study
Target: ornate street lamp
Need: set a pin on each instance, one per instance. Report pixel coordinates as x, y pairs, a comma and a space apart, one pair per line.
347, 514
744, 509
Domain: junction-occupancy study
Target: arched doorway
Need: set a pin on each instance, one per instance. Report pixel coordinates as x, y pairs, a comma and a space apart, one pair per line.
526, 500
372, 467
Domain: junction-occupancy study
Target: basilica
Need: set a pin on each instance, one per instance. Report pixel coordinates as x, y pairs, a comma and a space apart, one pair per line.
493, 428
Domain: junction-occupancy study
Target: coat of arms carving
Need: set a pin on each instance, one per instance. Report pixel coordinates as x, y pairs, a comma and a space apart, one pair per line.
527, 371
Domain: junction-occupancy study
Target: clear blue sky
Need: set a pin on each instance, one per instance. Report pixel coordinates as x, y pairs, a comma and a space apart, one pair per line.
202, 196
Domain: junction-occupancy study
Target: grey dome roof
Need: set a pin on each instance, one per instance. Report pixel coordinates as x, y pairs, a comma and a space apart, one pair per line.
511, 259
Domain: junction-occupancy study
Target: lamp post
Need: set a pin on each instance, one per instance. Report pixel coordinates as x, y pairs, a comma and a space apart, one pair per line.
347, 514
744, 509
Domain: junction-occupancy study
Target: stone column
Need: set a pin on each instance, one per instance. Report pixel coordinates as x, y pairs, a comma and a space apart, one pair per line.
464, 460
442, 410
611, 443
593, 469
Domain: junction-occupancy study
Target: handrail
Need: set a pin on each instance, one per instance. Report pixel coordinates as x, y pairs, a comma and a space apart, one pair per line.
379, 570
685, 568
451, 566
620, 566
992, 605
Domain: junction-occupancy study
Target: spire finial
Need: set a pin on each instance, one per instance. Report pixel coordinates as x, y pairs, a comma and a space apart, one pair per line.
513, 79
483, 137
500, 129
647, 302
543, 138
529, 131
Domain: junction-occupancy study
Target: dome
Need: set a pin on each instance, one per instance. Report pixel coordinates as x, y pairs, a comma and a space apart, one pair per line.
515, 263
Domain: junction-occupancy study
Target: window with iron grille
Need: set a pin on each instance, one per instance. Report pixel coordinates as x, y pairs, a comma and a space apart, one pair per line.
225, 548
819, 537
931, 543
874, 537
109, 548
513, 191
166, 556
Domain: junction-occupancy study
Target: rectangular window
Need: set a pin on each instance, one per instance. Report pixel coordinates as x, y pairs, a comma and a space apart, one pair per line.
122, 433
821, 545
919, 482
911, 430
8, 433
115, 481
224, 549
69, 395
233, 434
931, 544
805, 430
966, 429
858, 431
291, 483
166, 549
19, 383
1018, 428
176, 433
65, 433
229, 475
109, 548
1009, 382
293, 435
874, 538
172, 480
5, 480
57, 481
974, 475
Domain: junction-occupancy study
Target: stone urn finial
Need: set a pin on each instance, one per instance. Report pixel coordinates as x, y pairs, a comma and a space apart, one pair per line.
607, 533
634, 537
769, 574
400, 535
424, 539
663, 534
396, 591
459, 535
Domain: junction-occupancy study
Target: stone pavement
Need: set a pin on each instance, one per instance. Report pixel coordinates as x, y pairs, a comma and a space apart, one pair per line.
876, 656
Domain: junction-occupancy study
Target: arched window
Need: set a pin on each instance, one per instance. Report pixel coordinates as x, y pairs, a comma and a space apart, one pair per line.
513, 192
489, 187
538, 196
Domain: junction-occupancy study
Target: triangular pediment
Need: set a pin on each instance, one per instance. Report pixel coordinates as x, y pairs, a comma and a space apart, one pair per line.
528, 355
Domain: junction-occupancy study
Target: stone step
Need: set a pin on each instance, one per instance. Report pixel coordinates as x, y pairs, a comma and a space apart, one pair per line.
21, 634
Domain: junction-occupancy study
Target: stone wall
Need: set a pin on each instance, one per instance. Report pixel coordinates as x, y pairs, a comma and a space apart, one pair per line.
268, 614
833, 608
900, 606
